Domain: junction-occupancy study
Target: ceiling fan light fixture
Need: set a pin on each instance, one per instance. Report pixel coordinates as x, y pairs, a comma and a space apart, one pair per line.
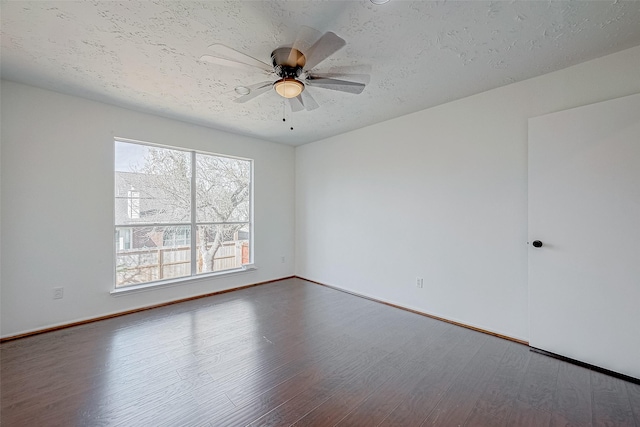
379, 1
288, 88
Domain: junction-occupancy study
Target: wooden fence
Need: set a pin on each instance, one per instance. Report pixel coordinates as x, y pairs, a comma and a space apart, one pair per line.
151, 264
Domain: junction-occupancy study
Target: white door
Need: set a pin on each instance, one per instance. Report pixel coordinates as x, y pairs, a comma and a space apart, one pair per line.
584, 206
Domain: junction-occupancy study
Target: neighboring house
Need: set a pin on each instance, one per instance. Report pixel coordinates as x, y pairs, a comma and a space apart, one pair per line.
140, 200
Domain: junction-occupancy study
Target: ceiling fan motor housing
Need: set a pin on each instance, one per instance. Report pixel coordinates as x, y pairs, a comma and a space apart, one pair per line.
288, 62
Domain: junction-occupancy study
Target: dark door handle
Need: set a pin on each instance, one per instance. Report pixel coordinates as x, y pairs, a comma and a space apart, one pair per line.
537, 244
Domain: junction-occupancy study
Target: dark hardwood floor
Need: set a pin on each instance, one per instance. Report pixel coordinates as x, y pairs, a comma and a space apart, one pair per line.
296, 353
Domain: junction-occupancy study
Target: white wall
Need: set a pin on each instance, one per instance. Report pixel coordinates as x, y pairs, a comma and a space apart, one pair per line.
440, 194
57, 206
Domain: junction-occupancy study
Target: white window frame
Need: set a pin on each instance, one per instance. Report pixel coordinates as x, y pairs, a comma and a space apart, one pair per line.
194, 276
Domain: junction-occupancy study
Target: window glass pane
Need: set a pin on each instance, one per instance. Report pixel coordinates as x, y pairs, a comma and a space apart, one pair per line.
155, 235
177, 236
222, 247
223, 189
153, 185
146, 254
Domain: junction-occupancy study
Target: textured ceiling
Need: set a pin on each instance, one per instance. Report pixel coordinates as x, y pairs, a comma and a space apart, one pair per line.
144, 55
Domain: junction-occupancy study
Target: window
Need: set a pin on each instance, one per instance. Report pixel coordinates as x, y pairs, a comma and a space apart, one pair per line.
179, 213
133, 203
177, 236
123, 238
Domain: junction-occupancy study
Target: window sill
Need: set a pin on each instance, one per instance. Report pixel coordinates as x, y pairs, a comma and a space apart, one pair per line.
180, 281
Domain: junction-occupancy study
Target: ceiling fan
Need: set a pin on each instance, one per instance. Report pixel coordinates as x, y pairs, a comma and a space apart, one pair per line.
291, 69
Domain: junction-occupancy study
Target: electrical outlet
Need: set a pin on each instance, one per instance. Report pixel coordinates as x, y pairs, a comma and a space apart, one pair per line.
282, 259
58, 293
419, 282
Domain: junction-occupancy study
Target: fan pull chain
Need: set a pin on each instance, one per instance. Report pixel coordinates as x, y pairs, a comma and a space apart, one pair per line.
284, 113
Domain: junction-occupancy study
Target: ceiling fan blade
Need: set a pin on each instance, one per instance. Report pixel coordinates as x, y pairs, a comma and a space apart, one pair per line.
326, 46
357, 78
305, 38
256, 89
227, 63
308, 101
335, 84
296, 104
224, 55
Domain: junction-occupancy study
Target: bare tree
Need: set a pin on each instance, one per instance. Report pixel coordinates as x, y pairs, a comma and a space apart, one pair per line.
222, 196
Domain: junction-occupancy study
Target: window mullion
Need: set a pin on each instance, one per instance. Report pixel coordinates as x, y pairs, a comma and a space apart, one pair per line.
194, 236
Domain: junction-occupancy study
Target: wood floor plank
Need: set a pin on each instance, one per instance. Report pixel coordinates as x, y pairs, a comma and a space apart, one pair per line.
350, 361
538, 389
154, 325
479, 418
498, 398
95, 366
173, 411
313, 396
355, 392
267, 398
118, 408
572, 406
165, 328
124, 379
459, 399
611, 404
144, 381
266, 359
243, 391
349, 394
330, 349
383, 399
633, 391
525, 415
295, 352
432, 371
295, 340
